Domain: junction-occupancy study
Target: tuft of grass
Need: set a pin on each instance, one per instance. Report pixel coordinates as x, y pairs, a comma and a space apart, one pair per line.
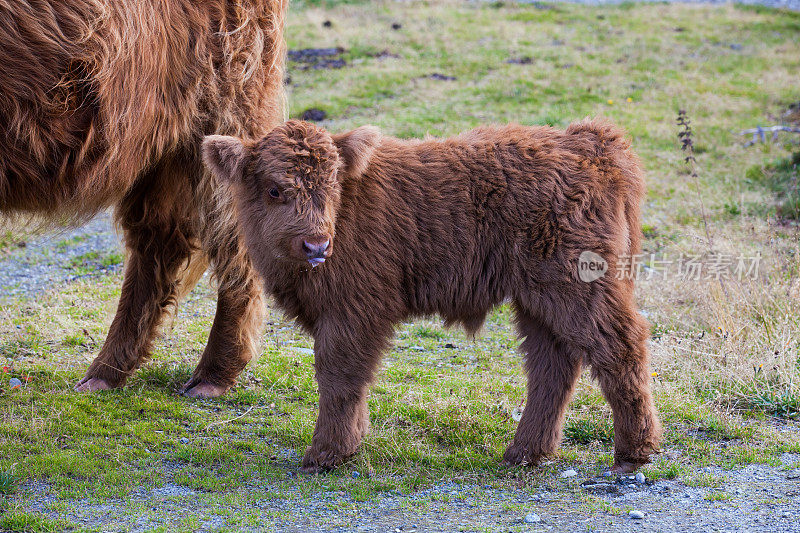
664, 469
783, 178
780, 403
8, 482
64, 244
111, 259
7, 240
428, 332
585, 431
717, 496
89, 262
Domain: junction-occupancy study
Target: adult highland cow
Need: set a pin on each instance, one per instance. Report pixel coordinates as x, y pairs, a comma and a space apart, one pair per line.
353, 233
105, 103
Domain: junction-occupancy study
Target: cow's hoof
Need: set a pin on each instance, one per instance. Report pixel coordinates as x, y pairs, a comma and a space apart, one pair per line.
203, 389
88, 384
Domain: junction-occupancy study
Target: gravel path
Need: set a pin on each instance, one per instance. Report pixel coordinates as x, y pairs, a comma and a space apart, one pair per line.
755, 498
41, 262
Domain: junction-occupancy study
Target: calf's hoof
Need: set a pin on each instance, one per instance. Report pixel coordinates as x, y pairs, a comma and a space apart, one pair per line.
317, 461
517, 454
200, 388
622, 466
88, 384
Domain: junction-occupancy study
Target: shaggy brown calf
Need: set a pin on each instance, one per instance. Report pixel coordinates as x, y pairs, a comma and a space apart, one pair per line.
105, 103
355, 232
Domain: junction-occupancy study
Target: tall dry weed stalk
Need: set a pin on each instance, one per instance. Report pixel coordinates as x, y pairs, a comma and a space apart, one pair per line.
687, 146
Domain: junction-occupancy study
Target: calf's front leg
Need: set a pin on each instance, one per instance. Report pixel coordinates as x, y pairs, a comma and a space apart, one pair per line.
345, 365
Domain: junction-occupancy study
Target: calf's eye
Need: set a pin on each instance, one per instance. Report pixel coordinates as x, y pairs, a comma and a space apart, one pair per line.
274, 193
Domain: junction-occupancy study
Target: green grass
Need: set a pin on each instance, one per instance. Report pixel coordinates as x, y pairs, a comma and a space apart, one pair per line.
443, 405
782, 177
32, 522
91, 261
7, 240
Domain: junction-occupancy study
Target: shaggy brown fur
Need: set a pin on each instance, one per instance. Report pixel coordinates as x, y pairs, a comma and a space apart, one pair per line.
397, 229
104, 103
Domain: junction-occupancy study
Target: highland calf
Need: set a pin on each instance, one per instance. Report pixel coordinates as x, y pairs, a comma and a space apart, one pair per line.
353, 233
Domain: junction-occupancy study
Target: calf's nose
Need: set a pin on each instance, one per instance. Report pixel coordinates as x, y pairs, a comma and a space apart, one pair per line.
316, 249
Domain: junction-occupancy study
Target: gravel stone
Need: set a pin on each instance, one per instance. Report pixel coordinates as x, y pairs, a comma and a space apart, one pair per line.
532, 518
637, 515
569, 473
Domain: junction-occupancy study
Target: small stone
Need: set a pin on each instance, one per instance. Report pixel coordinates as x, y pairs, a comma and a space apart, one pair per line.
356, 474
532, 518
14, 383
640, 479
441, 77
327, 24
636, 515
396, 26
569, 473
184, 440
417, 348
600, 487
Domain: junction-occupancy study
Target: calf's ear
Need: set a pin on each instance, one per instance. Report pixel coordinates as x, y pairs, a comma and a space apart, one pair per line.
356, 148
224, 156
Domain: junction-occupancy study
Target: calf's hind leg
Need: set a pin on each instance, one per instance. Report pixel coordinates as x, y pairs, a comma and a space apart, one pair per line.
620, 363
553, 369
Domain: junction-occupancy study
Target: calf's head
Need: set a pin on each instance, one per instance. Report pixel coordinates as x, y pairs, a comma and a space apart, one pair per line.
288, 185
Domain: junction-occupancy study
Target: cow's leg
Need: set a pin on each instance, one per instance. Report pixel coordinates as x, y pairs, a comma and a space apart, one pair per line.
159, 220
233, 340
